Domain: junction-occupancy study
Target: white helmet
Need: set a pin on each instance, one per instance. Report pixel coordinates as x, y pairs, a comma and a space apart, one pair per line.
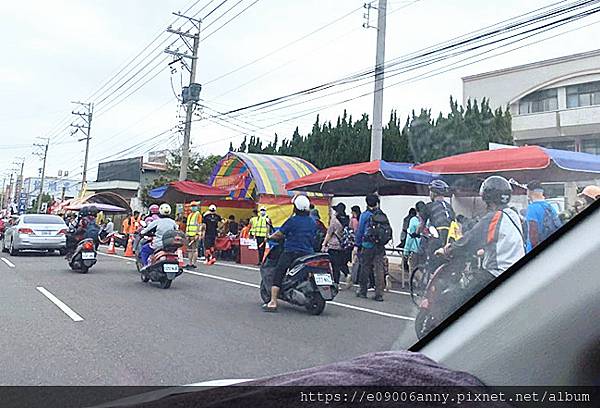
212, 208
164, 209
302, 203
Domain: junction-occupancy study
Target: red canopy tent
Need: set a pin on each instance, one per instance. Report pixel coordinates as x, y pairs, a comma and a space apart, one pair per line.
522, 163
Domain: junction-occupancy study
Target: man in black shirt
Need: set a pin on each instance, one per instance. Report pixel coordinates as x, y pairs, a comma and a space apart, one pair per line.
211, 219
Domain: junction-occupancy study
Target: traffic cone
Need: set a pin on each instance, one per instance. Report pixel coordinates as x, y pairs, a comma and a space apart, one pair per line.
129, 249
180, 258
111, 247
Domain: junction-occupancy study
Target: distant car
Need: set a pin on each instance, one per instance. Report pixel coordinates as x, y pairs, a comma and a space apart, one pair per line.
35, 232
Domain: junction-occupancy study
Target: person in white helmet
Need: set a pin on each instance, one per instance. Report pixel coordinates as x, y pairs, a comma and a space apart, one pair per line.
299, 233
163, 224
211, 220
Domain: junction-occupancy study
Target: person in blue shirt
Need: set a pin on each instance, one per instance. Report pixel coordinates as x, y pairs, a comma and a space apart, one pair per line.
299, 233
541, 219
371, 257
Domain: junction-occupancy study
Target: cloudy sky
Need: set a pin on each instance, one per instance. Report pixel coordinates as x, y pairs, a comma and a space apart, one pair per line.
58, 51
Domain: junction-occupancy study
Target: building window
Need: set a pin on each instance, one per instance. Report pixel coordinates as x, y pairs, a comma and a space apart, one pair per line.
590, 146
583, 95
540, 101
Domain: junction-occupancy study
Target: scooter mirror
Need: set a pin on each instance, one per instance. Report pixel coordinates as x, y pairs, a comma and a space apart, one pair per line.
434, 232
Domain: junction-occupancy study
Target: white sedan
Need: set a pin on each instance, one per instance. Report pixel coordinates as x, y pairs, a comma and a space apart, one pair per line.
36, 232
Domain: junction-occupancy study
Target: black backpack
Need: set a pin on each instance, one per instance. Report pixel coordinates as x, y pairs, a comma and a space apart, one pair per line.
378, 229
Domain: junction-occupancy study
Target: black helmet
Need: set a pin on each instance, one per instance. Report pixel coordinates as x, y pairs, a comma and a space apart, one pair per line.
496, 190
93, 210
84, 211
439, 187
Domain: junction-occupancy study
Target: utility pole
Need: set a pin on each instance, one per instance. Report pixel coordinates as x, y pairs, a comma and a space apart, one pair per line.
86, 129
3, 193
191, 93
44, 155
19, 187
377, 130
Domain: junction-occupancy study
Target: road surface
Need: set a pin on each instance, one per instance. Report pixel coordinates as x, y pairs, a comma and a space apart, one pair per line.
108, 328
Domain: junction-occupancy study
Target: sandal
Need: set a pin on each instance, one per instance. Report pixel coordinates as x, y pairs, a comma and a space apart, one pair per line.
268, 309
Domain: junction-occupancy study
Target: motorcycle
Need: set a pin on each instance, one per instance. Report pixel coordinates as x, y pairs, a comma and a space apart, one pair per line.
308, 282
163, 265
84, 256
448, 288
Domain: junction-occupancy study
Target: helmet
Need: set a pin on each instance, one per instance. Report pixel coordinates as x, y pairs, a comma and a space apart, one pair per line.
195, 204
164, 209
84, 211
154, 209
212, 208
439, 187
496, 190
262, 208
592, 192
93, 210
302, 203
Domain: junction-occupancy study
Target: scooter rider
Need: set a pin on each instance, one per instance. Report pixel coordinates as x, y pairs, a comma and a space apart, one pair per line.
78, 231
163, 224
498, 233
299, 233
153, 214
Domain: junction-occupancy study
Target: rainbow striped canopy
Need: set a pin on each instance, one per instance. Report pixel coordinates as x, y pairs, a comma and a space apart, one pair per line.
248, 175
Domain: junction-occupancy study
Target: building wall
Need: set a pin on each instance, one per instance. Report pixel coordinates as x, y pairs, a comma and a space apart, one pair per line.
52, 186
575, 128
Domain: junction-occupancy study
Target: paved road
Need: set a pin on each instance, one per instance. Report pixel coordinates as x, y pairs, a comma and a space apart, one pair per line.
115, 330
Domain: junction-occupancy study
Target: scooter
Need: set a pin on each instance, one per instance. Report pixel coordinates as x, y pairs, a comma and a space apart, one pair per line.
307, 283
163, 265
84, 256
449, 287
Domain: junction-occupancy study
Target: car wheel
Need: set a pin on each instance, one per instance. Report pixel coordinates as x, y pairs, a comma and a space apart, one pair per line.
62, 251
12, 250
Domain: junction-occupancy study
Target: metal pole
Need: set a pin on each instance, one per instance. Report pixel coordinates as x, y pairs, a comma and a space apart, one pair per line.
185, 148
377, 130
3, 193
90, 108
39, 200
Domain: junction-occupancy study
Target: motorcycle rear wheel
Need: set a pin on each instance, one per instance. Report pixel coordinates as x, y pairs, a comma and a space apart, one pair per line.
84, 269
315, 304
165, 283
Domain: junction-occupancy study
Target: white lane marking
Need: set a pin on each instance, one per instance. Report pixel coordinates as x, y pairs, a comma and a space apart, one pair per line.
254, 285
377, 312
239, 282
68, 311
9, 263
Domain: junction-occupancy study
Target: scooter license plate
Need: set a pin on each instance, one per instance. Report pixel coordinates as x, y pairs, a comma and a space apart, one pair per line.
323, 279
170, 268
88, 255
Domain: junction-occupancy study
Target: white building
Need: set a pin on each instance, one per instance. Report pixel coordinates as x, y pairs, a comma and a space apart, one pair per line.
554, 103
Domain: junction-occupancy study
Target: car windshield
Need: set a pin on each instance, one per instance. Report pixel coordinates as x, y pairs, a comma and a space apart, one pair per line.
42, 219
343, 176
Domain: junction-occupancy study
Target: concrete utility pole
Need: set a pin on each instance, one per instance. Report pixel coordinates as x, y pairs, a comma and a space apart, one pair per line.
19, 187
3, 193
86, 129
44, 155
377, 130
191, 93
